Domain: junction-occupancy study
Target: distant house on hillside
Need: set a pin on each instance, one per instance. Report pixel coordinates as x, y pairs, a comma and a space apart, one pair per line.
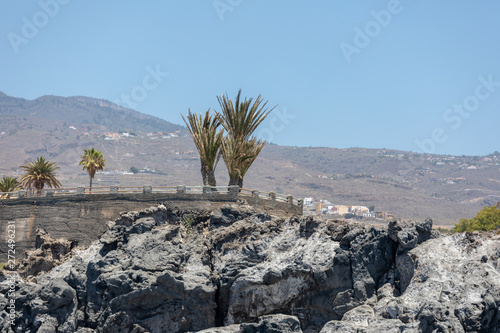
342, 209
333, 210
308, 202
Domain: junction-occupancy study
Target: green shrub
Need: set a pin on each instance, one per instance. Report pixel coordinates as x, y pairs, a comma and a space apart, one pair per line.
443, 230
188, 223
487, 219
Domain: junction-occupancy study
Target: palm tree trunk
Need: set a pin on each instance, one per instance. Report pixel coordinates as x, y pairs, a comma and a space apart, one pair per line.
90, 189
236, 180
232, 181
211, 178
204, 176
208, 176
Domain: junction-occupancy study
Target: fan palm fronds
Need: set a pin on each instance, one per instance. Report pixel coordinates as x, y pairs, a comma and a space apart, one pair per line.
92, 160
8, 184
38, 174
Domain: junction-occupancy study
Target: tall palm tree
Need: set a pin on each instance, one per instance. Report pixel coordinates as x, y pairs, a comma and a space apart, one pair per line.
240, 119
8, 184
92, 160
239, 156
38, 174
207, 138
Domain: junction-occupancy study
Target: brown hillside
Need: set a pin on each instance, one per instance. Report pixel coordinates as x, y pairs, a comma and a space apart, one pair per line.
410, 185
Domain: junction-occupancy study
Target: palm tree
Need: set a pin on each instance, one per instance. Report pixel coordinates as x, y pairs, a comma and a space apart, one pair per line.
92, 160
38, 174
240, 120
208, 139
239, 156
8, 184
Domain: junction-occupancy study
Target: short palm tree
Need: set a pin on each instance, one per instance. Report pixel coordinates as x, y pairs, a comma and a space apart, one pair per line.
207, 138
240, 119
38, 174
8, 184
92, 160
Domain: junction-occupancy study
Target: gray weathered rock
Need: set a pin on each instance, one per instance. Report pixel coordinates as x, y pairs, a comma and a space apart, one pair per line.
48, 254
237, 270
298, 267
454, 287
277, 323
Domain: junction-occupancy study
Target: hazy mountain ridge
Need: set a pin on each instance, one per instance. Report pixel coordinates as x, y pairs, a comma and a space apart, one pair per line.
410, 185
80, 111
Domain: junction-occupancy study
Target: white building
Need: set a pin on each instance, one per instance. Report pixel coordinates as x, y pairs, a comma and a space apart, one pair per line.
308, 202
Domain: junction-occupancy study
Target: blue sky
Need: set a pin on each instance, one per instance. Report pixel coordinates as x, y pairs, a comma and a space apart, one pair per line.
410, 75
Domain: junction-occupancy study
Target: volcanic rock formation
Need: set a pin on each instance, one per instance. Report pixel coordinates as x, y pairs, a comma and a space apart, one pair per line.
239, 270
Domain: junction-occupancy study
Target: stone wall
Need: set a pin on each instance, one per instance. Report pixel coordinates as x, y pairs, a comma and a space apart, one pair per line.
270, 202
83, 218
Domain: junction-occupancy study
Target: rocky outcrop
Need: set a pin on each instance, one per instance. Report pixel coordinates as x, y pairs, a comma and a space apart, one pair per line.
48, 254
278, 323
238, 270
455, 287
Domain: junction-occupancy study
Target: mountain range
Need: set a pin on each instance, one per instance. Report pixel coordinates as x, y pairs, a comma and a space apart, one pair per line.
410, 185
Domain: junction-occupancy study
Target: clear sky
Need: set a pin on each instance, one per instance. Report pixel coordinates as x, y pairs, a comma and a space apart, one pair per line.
411, 75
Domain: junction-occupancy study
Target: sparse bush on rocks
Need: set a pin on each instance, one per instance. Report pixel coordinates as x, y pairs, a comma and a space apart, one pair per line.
487, 219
